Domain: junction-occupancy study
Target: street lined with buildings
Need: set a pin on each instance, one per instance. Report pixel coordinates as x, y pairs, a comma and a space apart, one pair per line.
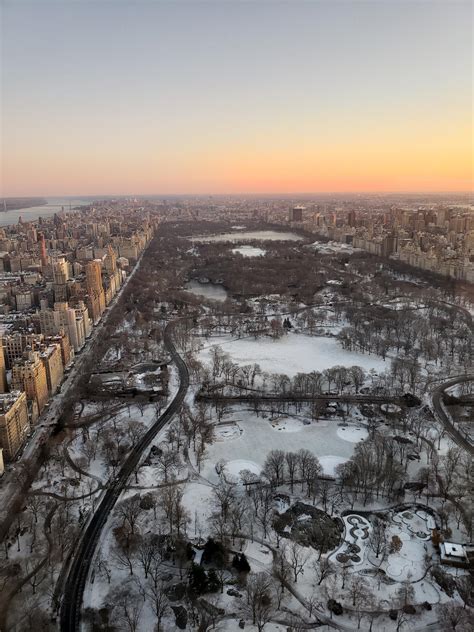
57, 279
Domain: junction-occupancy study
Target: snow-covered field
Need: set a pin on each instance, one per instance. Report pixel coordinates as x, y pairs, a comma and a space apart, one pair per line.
236, 466
293, 353
354, 434
259, 436
329, 462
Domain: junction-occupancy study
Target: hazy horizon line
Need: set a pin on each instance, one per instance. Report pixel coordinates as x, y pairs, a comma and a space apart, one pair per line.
242, 194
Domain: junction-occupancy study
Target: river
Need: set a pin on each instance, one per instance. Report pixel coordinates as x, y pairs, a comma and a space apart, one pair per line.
53, 206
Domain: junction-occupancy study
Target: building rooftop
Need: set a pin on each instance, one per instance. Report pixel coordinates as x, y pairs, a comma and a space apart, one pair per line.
7, 400
453, 550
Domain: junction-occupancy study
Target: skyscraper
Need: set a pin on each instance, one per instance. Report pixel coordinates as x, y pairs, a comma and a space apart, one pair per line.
60, 276
296, 214
95, 289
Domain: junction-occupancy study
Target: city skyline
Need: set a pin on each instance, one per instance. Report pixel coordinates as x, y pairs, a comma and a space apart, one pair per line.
140, 98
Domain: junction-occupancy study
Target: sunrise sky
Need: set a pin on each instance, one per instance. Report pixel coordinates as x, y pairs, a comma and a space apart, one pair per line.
141, 97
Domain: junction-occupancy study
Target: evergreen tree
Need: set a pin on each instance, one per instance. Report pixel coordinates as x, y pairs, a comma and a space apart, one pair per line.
198, 583
213, 583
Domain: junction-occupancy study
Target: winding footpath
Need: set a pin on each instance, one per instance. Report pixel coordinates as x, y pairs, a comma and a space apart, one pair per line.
83, 555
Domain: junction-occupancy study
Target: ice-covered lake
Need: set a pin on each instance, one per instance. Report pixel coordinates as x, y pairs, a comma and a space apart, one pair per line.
207, 290
249, 251
293, 353
249, 235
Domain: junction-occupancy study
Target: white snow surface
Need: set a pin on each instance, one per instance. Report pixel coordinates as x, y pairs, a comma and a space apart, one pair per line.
258, 437
293, 353
286, 424
354, 434
235, 467
250, 235
249, 251
330, 462
207, 290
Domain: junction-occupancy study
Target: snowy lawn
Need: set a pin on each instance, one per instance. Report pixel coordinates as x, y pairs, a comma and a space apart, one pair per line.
293, 353
258, 436
354, 434
329, 463
198, 500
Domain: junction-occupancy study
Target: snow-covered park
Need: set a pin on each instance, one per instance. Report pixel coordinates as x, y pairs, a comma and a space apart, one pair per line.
292, 354
253, 437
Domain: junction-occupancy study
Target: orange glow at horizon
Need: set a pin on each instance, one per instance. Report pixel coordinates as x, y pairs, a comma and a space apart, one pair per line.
214, 98
387, 164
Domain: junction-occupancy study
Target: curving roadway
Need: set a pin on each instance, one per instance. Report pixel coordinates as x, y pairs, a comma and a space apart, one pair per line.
438, 409
71, 606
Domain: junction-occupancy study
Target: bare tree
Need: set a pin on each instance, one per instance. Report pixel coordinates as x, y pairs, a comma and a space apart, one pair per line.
297, 558
291, 459
259, 601
322, 570
130, 511
35, 503
146, 551
224, 497
127, 607
406, 593
464, 585
168, 461
262, 498
123, 553
378, 538
281, 571
357, 589
454, 617
135, 430
175, 512
274, 466
158, 602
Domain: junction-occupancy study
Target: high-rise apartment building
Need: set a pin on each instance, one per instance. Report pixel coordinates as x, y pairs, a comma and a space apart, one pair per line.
42, 247
50, 321
29, 375
82, 318
62, 339
73, 321
69, 322
53, 363
296, 214
61, 277
3, 372
110, 261
95, 289
14, 423
15, 344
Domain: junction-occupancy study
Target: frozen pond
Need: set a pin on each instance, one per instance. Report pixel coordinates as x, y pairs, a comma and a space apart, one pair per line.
249, 251
293, 353
207, 290
249, 235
